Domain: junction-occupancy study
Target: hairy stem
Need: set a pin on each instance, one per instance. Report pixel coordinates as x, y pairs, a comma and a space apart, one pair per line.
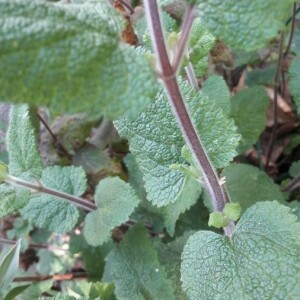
79, 202
185, 32
168, 76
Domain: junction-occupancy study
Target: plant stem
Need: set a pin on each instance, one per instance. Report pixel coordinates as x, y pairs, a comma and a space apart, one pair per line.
79, 202
58, 277
189, 70
168, 76
185, 32
275, 100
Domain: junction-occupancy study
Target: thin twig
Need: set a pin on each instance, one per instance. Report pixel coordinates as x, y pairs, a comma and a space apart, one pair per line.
127, 6
34, 245
275, 100
292, 30
190, 135
295, 183
189, 70
185, 33
58, 277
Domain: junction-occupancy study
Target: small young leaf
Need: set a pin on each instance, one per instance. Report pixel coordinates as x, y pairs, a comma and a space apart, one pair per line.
244, 25
248, 109
116, 201
232, 211
55, 214
136, 271
21, 144
261, 261
3, 172
294, 72
246, 185
156, 141
218, 220
9, 266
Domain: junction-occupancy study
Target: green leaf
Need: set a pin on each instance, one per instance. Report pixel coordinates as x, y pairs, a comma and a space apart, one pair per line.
21, 143
11, 295
218, 220
247, 185
136, 271
9, 266
156, 141
170, 257
294, 73
70, 58
232, 211
187, 198
50, 212
244, 25
116, 201
260, 262
37, 289
295, 169
249, 109
12, 199
217, 91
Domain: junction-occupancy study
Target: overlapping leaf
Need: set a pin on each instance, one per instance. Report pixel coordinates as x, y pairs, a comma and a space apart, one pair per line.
70, 58
294, 82
261, 261
156, 141
116, 201
248, 109
53, 213
136, 271
21, 144
248, 185
242, 24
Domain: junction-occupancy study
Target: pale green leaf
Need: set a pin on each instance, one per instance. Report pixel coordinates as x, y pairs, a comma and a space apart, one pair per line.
170, 257
156, 141
260, 262
21, 143
136, 271
188, 197
248, 109
295, 169
217, 91
9, 266
245, 25
70, 58
247, 185
116, 201
294, 73
50, 212
14, 292
37, 289
12, 199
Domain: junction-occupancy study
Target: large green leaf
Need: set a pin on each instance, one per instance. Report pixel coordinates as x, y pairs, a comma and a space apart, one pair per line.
53, 213
260, 262
245, 25
156, 141
294, 82
248, 185
21, 144
136, 271
116, 201
248, 109
70, 58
